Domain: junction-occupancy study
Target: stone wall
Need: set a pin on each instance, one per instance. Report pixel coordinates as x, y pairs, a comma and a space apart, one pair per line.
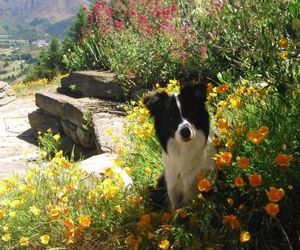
82, 120
7, 95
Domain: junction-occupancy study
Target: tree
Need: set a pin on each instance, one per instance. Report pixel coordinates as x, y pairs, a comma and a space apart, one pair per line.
79, 25
50, 62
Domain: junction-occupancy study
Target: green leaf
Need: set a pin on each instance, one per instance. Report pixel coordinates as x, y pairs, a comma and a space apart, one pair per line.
294, 8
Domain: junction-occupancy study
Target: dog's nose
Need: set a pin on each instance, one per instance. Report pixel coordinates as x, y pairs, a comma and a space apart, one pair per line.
185, 133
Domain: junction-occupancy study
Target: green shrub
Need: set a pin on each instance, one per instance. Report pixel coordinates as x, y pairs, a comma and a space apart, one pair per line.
49, 144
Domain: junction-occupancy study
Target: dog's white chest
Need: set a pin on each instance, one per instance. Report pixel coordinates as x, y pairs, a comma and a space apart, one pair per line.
182, 163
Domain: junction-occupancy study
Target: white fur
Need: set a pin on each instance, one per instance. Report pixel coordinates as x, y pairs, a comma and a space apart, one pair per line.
184, 160
182, 163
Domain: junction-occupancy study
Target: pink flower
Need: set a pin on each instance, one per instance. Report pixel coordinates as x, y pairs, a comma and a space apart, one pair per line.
118, 24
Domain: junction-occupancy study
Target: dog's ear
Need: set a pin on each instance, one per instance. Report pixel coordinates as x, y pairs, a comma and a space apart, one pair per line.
154, 102
198, 90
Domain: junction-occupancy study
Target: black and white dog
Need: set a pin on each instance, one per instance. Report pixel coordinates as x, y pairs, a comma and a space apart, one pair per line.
182, 126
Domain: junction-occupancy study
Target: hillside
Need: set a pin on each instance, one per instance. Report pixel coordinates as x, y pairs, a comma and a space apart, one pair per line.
37, 16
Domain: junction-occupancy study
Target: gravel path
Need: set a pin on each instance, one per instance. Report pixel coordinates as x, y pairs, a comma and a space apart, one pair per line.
17, 141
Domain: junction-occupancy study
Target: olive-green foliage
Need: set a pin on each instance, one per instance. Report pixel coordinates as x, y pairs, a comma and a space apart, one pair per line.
50, 63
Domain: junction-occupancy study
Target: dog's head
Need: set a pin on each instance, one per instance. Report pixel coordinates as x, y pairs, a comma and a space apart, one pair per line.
181, 116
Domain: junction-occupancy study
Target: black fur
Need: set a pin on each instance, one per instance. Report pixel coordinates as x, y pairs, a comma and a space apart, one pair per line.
166, 113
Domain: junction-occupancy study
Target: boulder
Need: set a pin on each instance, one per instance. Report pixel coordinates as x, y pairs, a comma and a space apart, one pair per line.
97, 165
7, 95
100, 84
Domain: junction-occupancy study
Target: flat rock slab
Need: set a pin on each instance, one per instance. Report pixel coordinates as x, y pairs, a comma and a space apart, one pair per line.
17, 140
107, 128
74, 109
100, 84
85, 120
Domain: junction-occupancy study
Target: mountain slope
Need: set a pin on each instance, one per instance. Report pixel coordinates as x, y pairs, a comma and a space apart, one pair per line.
40, 15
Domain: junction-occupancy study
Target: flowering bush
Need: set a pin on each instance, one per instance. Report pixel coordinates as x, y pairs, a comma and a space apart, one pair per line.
258, 161
253, 204
145, 42
57, 204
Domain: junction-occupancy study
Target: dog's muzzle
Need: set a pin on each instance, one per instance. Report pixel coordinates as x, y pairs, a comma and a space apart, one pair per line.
186, 132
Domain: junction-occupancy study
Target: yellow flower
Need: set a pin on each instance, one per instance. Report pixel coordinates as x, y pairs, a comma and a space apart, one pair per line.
118, 209
109, 131
16, 203
24, 241
283, 54
223, 126
235, 101
6, 237
84, 220
45, 239
5, 228
12, 214
56, 137
43, 154
164, 245
245, 236
148, 170
34, 210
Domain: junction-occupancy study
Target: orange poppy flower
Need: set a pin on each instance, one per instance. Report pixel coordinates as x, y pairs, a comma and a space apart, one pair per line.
223, 159
255, 180
257, 136
223, 88
283, 43
232, 220
230, 143
239, 181
272, 209
254, 137
204, 185
166, 217
275, 194
283, 160
243, 162
264, 131
216, 142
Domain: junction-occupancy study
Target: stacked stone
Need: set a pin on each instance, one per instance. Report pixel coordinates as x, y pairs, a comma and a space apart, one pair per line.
7, 95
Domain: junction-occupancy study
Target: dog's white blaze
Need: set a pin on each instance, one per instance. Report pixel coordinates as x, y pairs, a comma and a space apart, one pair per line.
183, 123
